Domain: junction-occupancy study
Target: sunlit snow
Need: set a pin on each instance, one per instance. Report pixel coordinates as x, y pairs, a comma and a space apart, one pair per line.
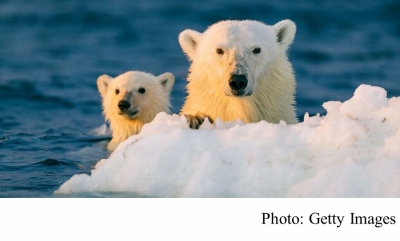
353, 151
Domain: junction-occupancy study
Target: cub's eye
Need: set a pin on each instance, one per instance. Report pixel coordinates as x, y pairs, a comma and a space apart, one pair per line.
256, 50
141, 90
117, 91
220, 51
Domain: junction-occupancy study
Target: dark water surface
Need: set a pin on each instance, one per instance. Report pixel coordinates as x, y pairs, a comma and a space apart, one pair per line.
51, 53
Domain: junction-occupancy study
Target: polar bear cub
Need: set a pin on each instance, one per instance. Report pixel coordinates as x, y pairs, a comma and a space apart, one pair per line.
131, 100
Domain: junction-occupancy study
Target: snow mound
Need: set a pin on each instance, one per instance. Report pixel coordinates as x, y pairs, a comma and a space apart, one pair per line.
353, 151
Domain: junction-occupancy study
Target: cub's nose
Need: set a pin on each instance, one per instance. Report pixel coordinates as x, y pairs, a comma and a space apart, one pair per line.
238, 83
123, 105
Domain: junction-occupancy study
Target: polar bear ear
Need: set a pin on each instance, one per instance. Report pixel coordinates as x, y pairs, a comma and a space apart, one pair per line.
166, 80
189, 41
285, 31
102, 84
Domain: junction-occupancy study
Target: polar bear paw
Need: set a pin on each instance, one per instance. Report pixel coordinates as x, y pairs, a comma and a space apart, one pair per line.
195, 121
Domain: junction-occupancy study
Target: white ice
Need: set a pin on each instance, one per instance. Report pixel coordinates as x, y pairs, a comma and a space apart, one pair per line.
353, 151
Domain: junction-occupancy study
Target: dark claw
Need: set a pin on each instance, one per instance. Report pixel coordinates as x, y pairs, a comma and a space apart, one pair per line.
195, 121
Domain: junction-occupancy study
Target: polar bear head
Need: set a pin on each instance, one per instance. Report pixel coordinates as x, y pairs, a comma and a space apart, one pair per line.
234, 55
135, 95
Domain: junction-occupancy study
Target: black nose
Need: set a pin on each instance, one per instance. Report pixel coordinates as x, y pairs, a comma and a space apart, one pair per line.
238, 83
124, 105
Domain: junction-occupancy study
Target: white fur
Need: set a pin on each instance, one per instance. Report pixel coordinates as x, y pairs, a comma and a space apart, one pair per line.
271, 81
149, 104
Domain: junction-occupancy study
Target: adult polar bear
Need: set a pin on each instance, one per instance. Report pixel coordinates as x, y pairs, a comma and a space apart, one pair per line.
239, 69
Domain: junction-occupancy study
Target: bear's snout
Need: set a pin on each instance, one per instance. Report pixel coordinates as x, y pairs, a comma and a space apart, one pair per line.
238, 84
123, 105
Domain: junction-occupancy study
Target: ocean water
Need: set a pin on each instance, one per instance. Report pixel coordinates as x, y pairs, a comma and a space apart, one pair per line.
51, 53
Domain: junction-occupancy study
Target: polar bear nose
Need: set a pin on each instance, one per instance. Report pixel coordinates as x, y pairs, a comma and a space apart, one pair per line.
238, 83
124, 105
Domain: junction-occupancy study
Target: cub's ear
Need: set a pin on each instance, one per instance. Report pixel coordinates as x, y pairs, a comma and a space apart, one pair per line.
285, 31
102, 84
189, 41
166, 80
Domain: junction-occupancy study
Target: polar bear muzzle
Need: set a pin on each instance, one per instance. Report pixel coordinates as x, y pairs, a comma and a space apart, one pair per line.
238, 85
123, 105
126, 108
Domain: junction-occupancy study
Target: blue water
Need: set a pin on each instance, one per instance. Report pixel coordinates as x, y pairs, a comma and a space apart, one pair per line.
51, 53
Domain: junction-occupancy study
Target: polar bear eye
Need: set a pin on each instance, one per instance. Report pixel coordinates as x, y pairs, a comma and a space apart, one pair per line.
256, 50
220, 51
141, 90
117, 91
